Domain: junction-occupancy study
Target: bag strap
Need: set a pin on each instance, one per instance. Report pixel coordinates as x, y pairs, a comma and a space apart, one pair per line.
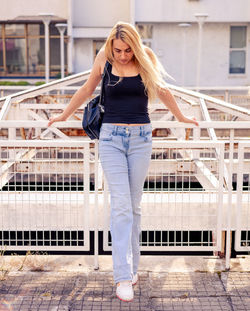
102, 85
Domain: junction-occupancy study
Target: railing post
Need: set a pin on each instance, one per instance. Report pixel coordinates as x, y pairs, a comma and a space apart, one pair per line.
227, 96
96, 208
229, 209
86, 201
3, 114
239, 194
196, 133
221, 172
5, 108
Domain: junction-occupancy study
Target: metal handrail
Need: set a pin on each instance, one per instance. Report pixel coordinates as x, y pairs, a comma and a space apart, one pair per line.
219, 88
156, 124
84, 75
210, 99
38, 90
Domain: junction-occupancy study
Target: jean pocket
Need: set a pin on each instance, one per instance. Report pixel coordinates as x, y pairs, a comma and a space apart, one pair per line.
147, 136
105, 136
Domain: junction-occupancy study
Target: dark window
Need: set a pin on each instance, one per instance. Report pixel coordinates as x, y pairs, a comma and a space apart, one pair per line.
22, 50
237, 62
15, 55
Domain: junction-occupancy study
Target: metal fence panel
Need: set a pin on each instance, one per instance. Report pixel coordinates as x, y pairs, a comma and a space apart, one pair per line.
242, 234
183, 198
45, 195
52, 196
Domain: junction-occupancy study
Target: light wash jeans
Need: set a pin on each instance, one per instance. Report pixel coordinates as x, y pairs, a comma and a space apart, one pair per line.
125, 153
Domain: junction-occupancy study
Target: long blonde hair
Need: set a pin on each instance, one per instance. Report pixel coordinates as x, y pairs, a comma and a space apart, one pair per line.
149, 67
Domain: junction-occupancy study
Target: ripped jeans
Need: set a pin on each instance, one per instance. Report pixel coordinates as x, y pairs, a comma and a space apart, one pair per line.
125, 153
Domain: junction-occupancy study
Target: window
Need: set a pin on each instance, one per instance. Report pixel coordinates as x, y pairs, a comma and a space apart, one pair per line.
146, 33
55, 57
1, 49
1, 55
15, 55
14, 30
22, 50
238, 35
36, 56
35, 30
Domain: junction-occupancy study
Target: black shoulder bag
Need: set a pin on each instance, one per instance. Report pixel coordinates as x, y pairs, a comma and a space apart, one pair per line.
93, 112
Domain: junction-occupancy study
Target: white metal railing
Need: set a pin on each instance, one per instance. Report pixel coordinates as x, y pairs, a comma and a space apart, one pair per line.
177, 198
45, 195
51, 86
191, 99
239, 95
242, 208
233, 94
54, 190
173, 125
50, 188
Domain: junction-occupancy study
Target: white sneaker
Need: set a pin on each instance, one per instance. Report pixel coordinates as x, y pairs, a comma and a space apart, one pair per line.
135, 279
124, 291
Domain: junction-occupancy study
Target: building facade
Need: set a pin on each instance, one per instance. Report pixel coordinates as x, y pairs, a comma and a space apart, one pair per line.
199, 42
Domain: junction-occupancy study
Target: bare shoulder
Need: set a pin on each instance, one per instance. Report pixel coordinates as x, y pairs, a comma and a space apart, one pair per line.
96, 72
101, 60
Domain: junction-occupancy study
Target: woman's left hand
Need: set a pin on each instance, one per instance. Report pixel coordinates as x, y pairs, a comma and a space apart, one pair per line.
190, 120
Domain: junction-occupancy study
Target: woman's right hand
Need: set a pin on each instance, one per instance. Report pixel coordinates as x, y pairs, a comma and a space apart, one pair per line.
56, 119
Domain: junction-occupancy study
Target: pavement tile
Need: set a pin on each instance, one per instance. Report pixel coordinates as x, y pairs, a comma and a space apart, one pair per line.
61, 291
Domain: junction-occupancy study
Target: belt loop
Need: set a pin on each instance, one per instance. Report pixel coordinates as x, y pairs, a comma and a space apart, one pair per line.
141, 131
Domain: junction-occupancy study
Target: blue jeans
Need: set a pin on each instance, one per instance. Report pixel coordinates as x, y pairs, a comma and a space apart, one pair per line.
125, 153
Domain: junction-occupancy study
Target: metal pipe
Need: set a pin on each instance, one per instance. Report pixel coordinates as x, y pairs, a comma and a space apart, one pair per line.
201, 19
46, 18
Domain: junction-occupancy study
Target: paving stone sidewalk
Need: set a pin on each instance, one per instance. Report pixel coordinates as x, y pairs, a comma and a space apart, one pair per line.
95, 291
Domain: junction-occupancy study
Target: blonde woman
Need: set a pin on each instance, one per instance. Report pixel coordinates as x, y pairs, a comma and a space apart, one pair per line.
134, 77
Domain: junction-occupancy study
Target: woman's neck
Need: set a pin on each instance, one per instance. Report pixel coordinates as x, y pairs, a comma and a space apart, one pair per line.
129, 69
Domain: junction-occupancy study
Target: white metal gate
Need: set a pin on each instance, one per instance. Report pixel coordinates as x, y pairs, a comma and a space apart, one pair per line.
176, 216
242, 236
45, 195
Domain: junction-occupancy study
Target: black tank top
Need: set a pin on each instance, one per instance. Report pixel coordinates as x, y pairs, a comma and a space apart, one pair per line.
124, 101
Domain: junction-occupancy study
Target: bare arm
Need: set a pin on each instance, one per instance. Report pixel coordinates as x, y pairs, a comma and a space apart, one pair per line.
167, 98
169, 101
85, 91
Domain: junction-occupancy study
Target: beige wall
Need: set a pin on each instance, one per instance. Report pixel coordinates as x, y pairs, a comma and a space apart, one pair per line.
13, 8
184, 10
83, 54
96, 13
168, 44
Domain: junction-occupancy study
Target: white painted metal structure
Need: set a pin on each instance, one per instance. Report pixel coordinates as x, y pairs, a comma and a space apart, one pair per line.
179, 210
242, 237
170, 216
43, 218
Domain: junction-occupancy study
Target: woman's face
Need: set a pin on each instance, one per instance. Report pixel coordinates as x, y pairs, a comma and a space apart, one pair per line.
122, 52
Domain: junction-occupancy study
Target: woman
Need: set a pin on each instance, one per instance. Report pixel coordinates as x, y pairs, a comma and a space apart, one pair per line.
134, 76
